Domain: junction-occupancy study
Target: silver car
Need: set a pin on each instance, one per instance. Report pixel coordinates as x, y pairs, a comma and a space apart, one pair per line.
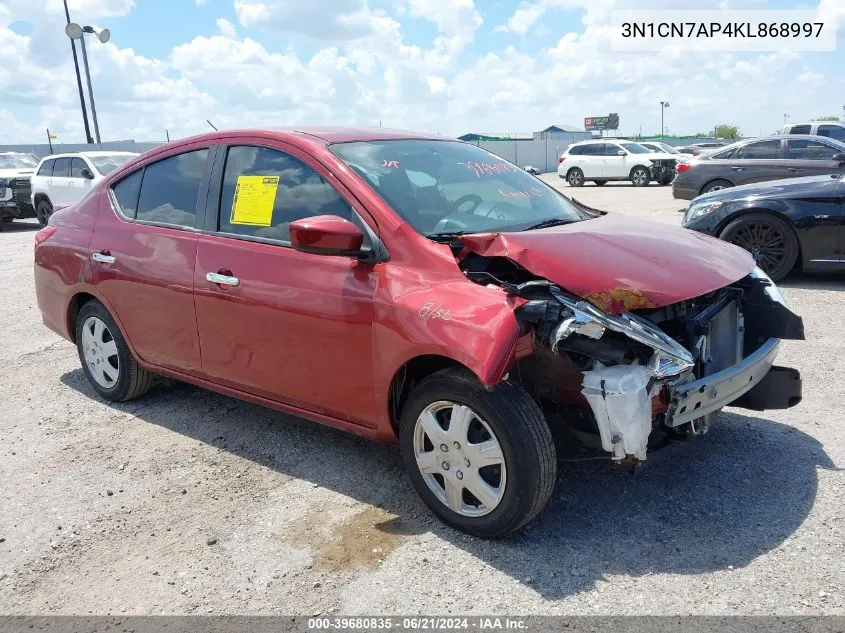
757, 160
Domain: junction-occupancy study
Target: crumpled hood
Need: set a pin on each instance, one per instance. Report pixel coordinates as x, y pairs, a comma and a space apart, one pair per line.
620, 263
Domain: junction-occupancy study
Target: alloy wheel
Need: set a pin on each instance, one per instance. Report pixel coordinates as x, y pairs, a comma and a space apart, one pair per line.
765, 242
639, 177
460, 459
100, 352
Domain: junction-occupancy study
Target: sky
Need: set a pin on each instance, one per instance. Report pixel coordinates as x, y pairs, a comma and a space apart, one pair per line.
445, 66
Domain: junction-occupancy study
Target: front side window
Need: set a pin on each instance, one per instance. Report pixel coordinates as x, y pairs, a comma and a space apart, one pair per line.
809, 150
76, 167
832, 131
170, 188
62, 168
467, 190
46, 168
760, 150
126, 193
264, 190
635, 148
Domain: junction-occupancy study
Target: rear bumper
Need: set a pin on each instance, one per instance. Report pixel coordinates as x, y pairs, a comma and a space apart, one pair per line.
683, 191
752, 383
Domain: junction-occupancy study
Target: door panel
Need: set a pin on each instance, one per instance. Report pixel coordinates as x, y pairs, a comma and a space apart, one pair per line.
614, 165
149, 285
296, 329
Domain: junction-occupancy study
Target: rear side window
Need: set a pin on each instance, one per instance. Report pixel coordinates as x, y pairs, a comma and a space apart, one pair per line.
62, 168
809, 150
170, 188
264, 190
126, 193
76, 167
760, 150
799, 129
46, 168
832, 131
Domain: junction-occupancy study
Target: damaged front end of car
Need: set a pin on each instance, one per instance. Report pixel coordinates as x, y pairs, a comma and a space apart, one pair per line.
621, 379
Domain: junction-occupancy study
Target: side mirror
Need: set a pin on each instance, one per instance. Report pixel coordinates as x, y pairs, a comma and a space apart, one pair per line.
621, 152
86, 173
839, 158
326, 235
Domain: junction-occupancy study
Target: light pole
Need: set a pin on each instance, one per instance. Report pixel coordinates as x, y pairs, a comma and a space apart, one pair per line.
663, 106
88, 138
76, 32
785, 118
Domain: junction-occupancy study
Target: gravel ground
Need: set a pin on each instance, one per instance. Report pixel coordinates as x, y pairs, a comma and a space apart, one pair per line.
188, 502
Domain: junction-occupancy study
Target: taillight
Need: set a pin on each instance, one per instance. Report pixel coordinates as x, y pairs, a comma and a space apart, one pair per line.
561, 159
682, 167
45, 233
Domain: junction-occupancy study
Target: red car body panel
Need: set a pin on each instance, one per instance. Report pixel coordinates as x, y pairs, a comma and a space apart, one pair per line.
324, 337
620, 263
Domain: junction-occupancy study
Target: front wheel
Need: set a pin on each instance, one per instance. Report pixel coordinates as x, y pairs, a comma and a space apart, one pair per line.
640, 176
43, 211
770, 240
106, 359
483, 461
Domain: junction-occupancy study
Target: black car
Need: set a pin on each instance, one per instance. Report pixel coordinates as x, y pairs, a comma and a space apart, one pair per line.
782, 223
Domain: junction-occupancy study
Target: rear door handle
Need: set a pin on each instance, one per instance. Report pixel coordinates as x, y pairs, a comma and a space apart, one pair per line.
224, 280
795, 170
737, 168
104, 257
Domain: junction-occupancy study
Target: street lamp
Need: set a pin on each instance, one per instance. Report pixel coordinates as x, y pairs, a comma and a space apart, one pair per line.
663, 106
76, 32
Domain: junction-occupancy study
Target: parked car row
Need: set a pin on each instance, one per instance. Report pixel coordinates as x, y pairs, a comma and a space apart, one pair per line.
601, 161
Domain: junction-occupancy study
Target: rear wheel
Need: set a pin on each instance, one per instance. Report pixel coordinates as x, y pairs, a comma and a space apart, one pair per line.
106, 358
483, 460
43, 211
640, 176
716, 185
770, 240
575, 177
600, 183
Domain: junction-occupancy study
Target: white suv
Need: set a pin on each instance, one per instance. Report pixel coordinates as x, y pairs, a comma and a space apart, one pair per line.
63, 179
604, 160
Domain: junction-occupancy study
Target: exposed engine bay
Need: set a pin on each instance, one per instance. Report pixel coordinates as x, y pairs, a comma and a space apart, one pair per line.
617, 379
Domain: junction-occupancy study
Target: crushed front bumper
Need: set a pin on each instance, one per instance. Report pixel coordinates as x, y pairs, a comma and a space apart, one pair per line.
752, 383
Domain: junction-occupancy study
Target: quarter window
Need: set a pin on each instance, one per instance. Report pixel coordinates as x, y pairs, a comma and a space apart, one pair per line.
763, 149
264, 190
126, 193
170, 188
62, 168
46, 168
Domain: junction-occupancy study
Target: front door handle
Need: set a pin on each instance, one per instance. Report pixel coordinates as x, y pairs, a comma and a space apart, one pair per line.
737, 168
795, 170
223, 280
104, 257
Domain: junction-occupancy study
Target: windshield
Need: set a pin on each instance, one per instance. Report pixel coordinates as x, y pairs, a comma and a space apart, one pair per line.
635, 148
17, 161
667, 148
106, 164
447, 187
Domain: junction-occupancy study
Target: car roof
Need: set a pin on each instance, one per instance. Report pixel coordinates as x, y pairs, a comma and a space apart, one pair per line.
325, 134
839, 123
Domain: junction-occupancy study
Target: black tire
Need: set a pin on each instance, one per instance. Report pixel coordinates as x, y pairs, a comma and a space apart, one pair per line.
132, 380
666, 181
600, 183
716, 185
575, 177
523, 435
43, 211
769, 239
640, 176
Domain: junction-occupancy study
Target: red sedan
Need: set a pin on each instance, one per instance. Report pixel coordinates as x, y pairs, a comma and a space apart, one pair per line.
413, 288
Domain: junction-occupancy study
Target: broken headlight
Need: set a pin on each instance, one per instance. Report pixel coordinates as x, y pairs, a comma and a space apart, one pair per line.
670, 357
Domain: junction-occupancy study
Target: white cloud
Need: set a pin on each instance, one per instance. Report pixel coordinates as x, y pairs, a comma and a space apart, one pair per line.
344, 20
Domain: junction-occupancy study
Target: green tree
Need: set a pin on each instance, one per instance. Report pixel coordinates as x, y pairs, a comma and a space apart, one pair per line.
724, 130
827, 118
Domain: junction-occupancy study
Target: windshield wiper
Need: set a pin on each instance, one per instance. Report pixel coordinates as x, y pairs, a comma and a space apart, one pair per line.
549, 222
445, 237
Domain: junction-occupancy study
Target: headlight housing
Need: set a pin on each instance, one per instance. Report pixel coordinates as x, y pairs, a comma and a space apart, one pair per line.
698, 209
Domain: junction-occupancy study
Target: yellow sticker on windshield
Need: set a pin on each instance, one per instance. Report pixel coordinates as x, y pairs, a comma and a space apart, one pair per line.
254, 200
